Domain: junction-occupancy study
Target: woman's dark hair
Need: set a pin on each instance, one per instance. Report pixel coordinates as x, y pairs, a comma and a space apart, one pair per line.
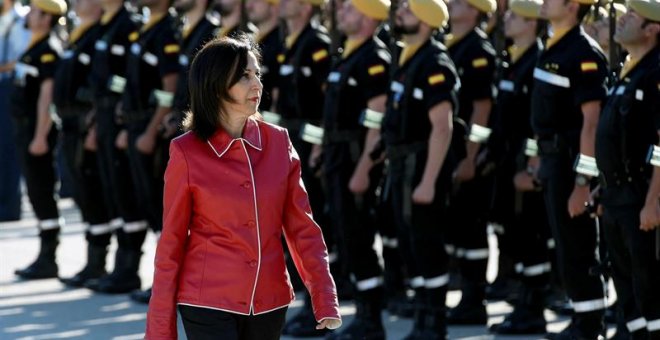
216, 68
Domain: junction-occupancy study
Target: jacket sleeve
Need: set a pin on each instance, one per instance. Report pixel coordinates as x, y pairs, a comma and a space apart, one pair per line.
177, 211
306, 244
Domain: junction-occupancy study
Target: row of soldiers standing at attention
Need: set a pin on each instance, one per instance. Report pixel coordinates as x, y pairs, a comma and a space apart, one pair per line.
422, 142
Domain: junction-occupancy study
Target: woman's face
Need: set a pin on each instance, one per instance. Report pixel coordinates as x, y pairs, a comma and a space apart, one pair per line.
247, 91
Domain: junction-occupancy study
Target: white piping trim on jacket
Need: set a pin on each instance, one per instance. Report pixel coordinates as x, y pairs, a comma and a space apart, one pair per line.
436, 282
368, 284
256, 217
589, 305
417, 282
653, 325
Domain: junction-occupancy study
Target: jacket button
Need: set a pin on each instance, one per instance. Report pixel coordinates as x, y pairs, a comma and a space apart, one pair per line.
253, 263
251, 224
246, 184
257, 303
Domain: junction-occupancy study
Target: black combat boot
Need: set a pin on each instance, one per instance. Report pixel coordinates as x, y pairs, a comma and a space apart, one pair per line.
141, 296
472, 308
435, 324
367, 324
419, 317
94, 269
527, 316
124, 278
303, 324
44, 267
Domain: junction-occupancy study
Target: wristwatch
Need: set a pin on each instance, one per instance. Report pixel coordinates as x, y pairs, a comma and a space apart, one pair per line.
582, 180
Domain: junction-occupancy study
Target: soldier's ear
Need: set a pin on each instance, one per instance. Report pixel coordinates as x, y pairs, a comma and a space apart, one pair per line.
652, 29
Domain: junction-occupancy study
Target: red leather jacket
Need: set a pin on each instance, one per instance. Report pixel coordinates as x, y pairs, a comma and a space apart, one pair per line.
227, 203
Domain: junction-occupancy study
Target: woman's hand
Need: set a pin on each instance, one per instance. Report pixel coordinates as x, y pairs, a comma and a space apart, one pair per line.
329, 324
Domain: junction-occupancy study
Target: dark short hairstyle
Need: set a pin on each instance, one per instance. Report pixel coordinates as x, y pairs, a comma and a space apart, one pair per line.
216, 68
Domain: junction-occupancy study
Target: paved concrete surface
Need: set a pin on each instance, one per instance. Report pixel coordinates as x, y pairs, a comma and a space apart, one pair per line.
45, 309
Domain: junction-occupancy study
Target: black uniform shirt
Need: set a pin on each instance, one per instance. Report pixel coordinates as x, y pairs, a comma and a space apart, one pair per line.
202, 33
570, 73
474, 57
303, 71
154, 53
36, 65
71, 87
427, 79
354, 81
627, 127
511, 115
271, 47
110, 52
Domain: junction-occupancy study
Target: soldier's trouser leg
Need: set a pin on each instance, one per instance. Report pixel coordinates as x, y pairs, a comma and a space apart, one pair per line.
423, 223
470, 246
40, 179
10, 191
636, 272
576, 244
84, 169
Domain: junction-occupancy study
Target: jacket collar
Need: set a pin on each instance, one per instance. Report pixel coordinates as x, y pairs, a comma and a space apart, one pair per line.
221, 141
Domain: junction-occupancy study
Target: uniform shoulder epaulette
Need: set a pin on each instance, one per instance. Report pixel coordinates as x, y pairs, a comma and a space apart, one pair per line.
55, 44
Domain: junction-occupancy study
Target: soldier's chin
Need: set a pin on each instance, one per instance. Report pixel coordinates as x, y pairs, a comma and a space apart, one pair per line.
401, 29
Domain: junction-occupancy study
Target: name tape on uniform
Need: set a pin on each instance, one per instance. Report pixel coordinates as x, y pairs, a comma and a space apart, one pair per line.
311, 134
371, 119
479, 134
586, 165
271, 117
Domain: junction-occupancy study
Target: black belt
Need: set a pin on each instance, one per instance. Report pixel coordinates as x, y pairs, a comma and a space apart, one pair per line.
556, 143
69, 112
293, 124
403, 150
342, 136
618, 178
107, 102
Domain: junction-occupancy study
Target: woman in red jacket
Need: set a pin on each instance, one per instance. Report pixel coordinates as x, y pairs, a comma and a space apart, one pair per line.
232, 189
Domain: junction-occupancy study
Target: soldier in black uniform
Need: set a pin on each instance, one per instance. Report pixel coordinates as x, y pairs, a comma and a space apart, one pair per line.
152, 67
73, 101
36, 134
265, 15
107, 80
629, 124
570, 79
233, 18
357, 82
303, 68
417, 132
521, 205
474, 56
198, 28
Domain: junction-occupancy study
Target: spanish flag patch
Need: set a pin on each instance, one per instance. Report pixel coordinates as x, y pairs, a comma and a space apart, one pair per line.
133, 36
47, 58
437, 78
171, 48
280, 58
588, 66
479, 62
320, 55
376, 69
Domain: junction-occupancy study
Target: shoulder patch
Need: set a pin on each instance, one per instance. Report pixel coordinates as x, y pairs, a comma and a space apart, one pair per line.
320, 55
376, 70
479, 62
437, 78
171, 48
588, 66
47, 58
133, 36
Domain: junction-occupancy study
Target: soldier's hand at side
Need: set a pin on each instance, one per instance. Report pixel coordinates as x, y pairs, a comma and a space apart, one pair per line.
121, 142
146, 143
315, 156
423, 193
90, 139
38, 146
329, 324
576, 203
523, 181
649, 217
359, 182
465, 170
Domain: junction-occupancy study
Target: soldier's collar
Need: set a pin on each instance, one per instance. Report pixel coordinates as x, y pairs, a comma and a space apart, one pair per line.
408, 51
153, 20
351, 45
79, 31
108, 16
35, 39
